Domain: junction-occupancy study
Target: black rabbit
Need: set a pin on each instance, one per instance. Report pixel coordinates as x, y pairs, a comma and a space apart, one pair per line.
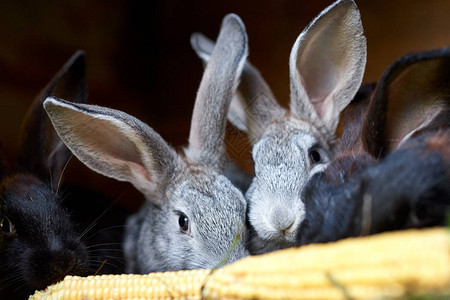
39, 244
396, 175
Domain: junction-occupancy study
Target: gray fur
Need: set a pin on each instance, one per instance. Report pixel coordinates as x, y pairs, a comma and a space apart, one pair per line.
326, 68
191, 183
220, 78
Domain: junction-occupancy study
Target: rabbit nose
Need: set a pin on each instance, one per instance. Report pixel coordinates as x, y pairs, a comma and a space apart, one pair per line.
53, 267
281, 218
61, 264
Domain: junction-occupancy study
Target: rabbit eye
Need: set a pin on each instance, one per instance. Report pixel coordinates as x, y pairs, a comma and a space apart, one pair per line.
183, 221
314, 156
6, 226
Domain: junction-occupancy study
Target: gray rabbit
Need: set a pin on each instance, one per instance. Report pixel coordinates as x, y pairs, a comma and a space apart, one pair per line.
193, 213
327, 63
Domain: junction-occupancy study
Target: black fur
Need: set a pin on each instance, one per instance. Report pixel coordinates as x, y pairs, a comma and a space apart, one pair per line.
406, 128
410, 188
39, 242
44, 247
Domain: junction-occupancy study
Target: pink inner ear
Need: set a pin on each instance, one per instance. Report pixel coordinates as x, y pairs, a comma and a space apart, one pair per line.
319, 86
318, 106
319, 67
139, 169
113, 145
329, 60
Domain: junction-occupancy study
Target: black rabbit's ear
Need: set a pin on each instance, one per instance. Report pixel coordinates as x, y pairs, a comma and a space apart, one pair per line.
353, 118
412, 96
41, 150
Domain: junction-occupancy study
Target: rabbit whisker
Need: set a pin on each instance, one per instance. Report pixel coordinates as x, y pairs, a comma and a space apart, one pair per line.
103, 244
107, 262
16, 284
103, 263
94, 259
106, 249
110, 256
62, 172
104, 229
92, 225
12, 278
98, 218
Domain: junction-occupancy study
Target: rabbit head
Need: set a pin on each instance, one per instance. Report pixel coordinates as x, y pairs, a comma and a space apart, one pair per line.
327, 64
192, 213
406, 126
38, 242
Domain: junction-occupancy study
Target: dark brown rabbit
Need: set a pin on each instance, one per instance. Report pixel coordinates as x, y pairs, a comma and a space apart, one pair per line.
396, 175
38, 243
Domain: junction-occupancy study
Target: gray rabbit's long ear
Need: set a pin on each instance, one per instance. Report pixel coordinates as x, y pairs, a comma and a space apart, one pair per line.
219, 82
412, 96
254, 106
114, 144
327, 65
41, 150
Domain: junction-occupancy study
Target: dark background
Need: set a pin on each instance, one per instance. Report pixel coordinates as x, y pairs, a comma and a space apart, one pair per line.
139, 57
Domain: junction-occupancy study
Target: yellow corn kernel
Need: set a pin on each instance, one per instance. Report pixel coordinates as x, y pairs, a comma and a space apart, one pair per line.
388, 265
167, 285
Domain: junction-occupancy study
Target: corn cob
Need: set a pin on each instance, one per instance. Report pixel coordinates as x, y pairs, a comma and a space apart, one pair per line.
167, 285
388, 265
379, 266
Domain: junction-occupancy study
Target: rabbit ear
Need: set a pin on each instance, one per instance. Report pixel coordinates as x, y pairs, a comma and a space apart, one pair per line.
353, 119
327, 65
412, 96
114, 144
254, 106
202, 46
219, 82
41, 150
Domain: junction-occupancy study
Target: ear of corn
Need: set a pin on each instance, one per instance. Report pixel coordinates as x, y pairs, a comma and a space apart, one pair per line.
167, 285
388, 265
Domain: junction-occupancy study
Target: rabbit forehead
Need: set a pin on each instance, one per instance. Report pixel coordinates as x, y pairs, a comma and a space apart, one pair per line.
287, 141
288, 126
277, 186
35, 211
202, 194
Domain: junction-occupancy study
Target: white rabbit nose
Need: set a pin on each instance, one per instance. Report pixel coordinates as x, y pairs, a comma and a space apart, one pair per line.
281, 218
